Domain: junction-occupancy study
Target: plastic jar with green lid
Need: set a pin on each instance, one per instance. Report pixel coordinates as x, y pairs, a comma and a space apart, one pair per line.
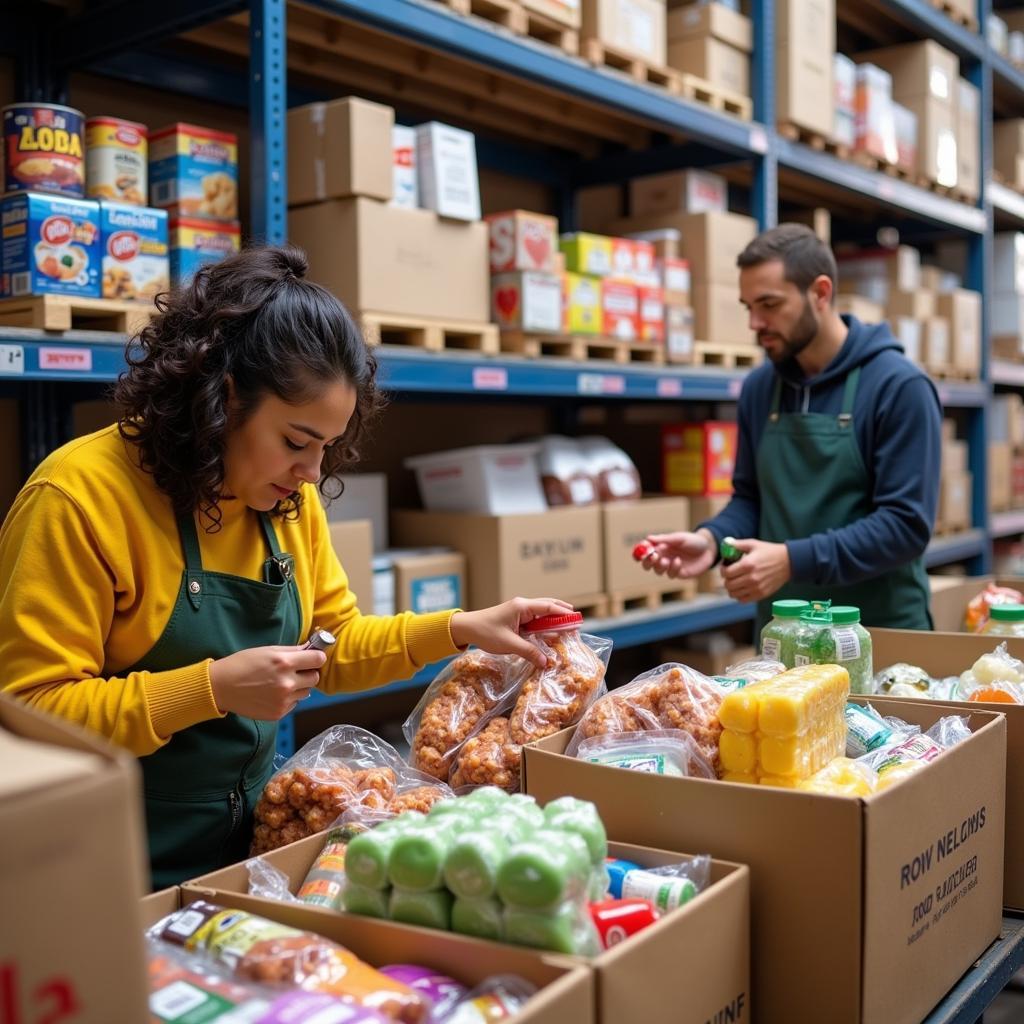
778, 638
834, 636
1005, 620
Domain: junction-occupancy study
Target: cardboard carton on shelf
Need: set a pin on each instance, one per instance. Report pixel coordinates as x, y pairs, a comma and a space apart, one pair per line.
527, 300
954, 457
405, 182
679, 333
718, 63
353, 544
875, 123
922, 69
698, 458
365, 497
1008, 263
582, 306
937, 343
1007, 146
844, 76
805, 92
866, 311
954, 512
674, 278
632, 28
691, 191
806, 24
420, 580
968, 136
937, 158
962, 308
522, 241
900, 267
719, 317
446, 171
905, 124
714, 20
623, 525
919, 304
910, 334
1000, 476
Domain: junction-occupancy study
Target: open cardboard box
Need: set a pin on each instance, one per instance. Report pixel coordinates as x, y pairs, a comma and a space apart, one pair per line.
863, 911
157, 905
946, 654
691, 967
950, 600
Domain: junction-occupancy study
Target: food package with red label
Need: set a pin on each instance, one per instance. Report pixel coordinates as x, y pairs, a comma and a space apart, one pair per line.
620, 305
633, 260
652, 315
136, 252
527, 301
679, 333
674, 277
698, 458
522, 241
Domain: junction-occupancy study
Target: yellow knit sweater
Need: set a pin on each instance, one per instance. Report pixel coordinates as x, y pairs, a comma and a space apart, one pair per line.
91, 564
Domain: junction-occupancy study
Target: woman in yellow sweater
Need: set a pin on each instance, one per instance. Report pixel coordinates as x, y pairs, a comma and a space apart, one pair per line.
159, 575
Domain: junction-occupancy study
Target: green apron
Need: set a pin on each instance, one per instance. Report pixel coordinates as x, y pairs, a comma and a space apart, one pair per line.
201, 787
812, 478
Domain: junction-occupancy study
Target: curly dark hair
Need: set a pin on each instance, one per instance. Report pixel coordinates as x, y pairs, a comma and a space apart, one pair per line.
253, 320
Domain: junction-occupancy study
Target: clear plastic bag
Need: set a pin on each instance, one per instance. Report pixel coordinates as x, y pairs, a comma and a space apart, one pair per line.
495, 999
977, 614
907, 677
753, 670
565, 473
489, 758
443, 992
917, 750
268, 882
615, 472
344, 769
458, 704
998, 667
670, 696
842, 776
658, 752
670, 885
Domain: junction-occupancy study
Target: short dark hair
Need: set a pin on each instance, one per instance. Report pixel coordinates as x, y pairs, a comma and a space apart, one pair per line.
804, 256
256, 321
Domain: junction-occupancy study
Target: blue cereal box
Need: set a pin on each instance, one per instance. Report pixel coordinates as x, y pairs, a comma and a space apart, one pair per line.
136, 259
194, 243
51, 246
193, 172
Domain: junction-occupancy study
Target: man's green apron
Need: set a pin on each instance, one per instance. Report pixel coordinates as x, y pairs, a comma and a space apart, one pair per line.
201, 787
812, 478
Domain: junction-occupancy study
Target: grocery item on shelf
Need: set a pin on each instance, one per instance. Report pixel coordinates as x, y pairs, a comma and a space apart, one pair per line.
446, 171
528, 301
833, 635
782, 731
44, 149
689, 191
844, 124
875, 121
635, 29
582, 310
698, 458
252, 948
405, 183
51, 245
565, 472
193, 172
614, 471
136, 260
587, 253
116, 160
194, 243
523, 241
1005, 620
778, 637
343, 770
620, 309
659, 752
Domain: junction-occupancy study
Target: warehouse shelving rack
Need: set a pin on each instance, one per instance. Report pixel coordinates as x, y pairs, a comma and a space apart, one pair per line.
132, 43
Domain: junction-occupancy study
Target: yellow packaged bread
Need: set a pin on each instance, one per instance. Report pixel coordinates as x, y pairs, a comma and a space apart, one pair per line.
785, 729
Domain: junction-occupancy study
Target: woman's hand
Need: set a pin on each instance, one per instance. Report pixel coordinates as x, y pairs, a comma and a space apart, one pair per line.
496, 630
265, 682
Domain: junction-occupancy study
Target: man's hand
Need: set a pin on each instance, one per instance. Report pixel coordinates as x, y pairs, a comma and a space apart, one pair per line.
680, 556
762, 570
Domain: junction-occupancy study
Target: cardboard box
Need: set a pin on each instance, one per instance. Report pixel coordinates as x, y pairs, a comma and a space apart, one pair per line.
716, 62
365, 497
404, 262
955, 501
910, 334
875, 126
866, 311
919, 304
679, 191
698, 458
835, 934
962, 308
635, 28
1000, 476
1007, 145
937, 343
844, 79
806, 24
936, 145
633, 260
804, 89
997, 33
527, 301
587, 254
429, 583
954, 457
968, 136
624, 524
905, 124
136, 261
1007, 318
900, 267
674, 278
157, 905
620, 309
714, 20
918, 70
581, 304
664, 240
340, 149
195, 243
193, 172
652, 314
949, 604
73, 872
446, 172
598, 205
556, 553
719, 316
353, 544
522, 241
641, 975
404, 179
1008, 263
679, 334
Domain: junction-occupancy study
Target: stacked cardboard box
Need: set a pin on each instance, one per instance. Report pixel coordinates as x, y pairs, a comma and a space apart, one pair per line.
955, 487
628, 28
844, 120
806, 42
526, 279
1007, 303
1008, 151
1006, 452
712, 42
875, 119
968, 140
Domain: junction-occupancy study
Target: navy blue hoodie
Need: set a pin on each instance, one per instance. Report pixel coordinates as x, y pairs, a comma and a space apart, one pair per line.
898, 422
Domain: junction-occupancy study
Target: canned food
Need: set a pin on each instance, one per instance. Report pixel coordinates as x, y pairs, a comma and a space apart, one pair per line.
43, 148
116, 159
194, 243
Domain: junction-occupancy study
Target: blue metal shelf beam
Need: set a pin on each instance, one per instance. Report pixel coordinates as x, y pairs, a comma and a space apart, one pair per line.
958, 547
930, 22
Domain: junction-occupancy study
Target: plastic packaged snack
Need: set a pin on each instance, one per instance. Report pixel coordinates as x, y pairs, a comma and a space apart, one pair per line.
779, 635
483, 919
866, 730
997, 667
616, 474
753, 670
843, 776
977, 614
456, 705
496, 999
903, 675
426, 909
489, 758
325, 881
344, 769
659, 752
667, 887
253, 948
670, 696
998, 693
565, 472
917, 751
564, 929
443, 992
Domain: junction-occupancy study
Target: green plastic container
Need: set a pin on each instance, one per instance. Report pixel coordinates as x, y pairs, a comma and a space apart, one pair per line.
778, 638
834, 636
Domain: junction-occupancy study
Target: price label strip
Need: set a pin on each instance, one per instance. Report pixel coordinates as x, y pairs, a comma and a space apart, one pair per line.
12, 359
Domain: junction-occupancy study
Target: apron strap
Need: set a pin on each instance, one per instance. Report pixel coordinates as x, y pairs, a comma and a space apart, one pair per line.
269, 534
773, 411
193, 560
849, 395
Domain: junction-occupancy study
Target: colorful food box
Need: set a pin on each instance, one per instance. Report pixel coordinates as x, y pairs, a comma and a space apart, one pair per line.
674, 278
136, 263
116, 160
193, 172
698, 458
404, 177
620, 303
523, 241
527, 301
51, 246
194, 243
652, 314
582, 304
678, 333
587, 254
633, 260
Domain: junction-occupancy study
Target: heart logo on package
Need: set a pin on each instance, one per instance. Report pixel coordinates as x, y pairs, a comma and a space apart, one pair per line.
507, 301
537, 246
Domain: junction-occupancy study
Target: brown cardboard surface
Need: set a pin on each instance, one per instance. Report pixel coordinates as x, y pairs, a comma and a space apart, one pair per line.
1000, 475
635, 27
556, 553
719, 316
353, 544
967, 139
918, 304
713, 19
918, 70
950, 600
1007, 145
962, 308
955, 501
804, 87
382, 259
623, 525
829, 920
716, 62
340, 149
806, 24
72, 869
675, 191
936, 127
637, 980
943, 654
865, 310
429, 583
157, 905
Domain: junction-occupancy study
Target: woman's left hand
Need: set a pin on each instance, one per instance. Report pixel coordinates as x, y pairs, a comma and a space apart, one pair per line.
496, 630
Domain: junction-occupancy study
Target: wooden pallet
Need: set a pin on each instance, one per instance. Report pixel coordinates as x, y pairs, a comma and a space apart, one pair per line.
729, 357
650, 600
430, 334
1008, 347
521, 20
582, 347
723, 100
950, 372
64, 312
592, 606
955, 14
815, 140
600, 54
506, 13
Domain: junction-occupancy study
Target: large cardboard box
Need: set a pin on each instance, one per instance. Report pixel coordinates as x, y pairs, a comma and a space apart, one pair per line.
937, 156
840, 886
340, 149
716, 62
968, 136
806, 24
632, 27
711, 19
353, 544
556, 553
623, 525
72, 873
1007, 145
962, 308
639, 979
365, 497
804, 88
679, 192
429, 582
923, 69
384, 259
955, 502
918, 304
950, 600
1000, 476
944, 654
718, 315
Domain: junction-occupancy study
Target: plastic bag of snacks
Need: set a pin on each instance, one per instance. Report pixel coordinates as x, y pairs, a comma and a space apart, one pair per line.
614, 471
342, 769
659, 752
976, 616
842, 776
753, 670
990, 672
915, 752
668, 697
489, 758
667, 887
444, 993
456, 705
495, 999
252, 948
867, 730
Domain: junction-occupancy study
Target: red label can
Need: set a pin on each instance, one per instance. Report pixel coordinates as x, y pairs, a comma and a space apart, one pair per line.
44, 149
616, 920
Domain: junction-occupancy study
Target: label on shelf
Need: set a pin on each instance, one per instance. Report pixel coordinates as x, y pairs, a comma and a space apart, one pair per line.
490, 378
12, 359
758, 140
670, 387
600, 384
735, 387
78, 360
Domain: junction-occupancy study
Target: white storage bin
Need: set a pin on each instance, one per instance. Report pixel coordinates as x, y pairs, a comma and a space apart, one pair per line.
494, 480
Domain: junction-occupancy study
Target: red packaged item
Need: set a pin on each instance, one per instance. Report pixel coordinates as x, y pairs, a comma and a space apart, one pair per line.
977, 615
698, 458
616, 920
522, 241
652, 315
642, 550
620, 304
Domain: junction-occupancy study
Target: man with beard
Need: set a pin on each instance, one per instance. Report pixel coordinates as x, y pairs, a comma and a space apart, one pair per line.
837, 469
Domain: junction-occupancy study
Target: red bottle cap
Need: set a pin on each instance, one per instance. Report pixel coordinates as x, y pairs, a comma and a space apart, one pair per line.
616, 920
642, 550
548, 623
